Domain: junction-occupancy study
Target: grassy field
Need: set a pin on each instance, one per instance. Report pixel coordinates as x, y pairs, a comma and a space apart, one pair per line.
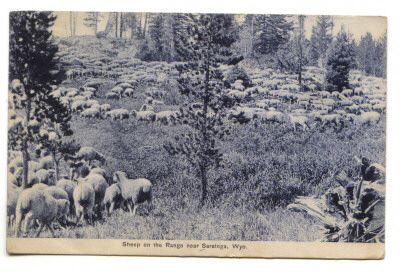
265, 167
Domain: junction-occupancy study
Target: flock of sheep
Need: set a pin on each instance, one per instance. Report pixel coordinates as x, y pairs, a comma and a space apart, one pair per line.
88, 192
272, 98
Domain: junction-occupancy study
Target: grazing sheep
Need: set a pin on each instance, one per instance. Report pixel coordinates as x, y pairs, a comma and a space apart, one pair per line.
46, 162
98, 170
148, 100
69, 187
16, 178
129, 92
146, 107
324, 94
100, 185
57, 192
13, 193
298, 120
347, 92
45, 176
84, 197
147, 116
14, 164
79, 105
89, 154
329, 118
118, 90
271, 116
80, 168
165, 117
134, 191
118, 114
112, 198
379, 107
112, 95
374, 172
105, 107
367, 118
38, 205
157, 102
40, 186
91, 113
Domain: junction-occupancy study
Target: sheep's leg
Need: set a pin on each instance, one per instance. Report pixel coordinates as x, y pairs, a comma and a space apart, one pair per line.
41, 225
28, 219
51, 229
111, 208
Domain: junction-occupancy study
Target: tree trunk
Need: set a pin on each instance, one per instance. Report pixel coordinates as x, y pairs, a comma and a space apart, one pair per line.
70, 22
145, 25
121, 25
56, 163
203, 176
116, 25
96, 22
25, 154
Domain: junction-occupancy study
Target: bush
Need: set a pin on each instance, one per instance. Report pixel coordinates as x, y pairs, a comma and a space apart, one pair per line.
237, 73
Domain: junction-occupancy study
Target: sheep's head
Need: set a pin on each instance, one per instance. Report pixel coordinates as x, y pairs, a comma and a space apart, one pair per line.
133, 113
118, 176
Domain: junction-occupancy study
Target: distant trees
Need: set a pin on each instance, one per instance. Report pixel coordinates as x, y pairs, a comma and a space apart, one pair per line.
320, 40
340, 58
205, 45
92, 20
32, 70
371, 55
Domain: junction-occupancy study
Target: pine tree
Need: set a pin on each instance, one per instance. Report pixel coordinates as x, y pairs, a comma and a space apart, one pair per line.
340, 59
206, 46
92, 20
33, 68
321, 38
271, 32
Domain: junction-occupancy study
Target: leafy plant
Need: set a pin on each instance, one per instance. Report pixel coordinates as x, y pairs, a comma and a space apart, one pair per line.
352, 211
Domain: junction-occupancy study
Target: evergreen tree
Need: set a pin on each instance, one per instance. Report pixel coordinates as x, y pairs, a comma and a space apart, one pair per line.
271, 32
92, 20
321, 38
371, 55
206, 46
32, 70
340, 59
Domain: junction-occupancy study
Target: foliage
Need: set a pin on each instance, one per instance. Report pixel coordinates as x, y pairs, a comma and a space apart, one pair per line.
321, 38
371, 55
339, 62
350, 211
92, 20
238, 73
33, 68
206, 44
272, 31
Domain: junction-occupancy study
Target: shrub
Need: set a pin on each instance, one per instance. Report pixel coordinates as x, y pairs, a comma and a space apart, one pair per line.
237, 73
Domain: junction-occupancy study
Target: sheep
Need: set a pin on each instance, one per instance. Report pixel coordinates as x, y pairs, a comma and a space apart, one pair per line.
90, 113
45, 176
46, 162
39, 205
298, 120
329, 118
367, 118
98, 170
118, 90
105, 107
324, 94
120, 114
13, 193
112, 198
89, 154
84, 197
271, 116
16, 178
165, 117
380, 107
148, 100
112, 95
57, 192
15, 163
99, 184
80, 168
347, 92
79, 105
68, 186
40, 186
134, 191
157, 102
146, 107
148, 116
129, 92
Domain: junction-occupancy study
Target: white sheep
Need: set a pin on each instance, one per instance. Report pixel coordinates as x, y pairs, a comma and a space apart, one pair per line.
298, 120
147, 116
13, 193
112, 198
368, 118
79, 105
45, 176
84, 197
105, 107
14, 164
38, 205
89, 154
146, 107
129, 92
165, 117
46, 162
112, 95
69, 187
329, 118
118, 114
100, 185
90, 113
80, 169
98, 170
134, 191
